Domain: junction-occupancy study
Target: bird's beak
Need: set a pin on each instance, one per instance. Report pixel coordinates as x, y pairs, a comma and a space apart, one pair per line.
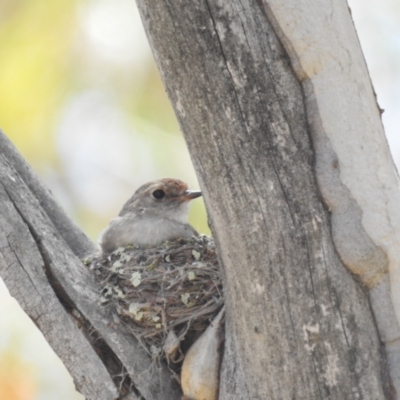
190, 195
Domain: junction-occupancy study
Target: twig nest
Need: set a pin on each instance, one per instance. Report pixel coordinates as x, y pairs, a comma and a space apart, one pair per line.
164, 295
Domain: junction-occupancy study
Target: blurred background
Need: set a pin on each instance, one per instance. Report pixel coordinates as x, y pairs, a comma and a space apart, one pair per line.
82, 100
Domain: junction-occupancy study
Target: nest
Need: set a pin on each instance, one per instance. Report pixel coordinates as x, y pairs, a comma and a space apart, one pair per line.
166, 296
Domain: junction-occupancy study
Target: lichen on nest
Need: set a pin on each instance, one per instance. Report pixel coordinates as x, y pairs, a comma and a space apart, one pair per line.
166, 296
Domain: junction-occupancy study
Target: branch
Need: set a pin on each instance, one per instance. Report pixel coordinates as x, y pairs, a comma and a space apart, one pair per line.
59, 294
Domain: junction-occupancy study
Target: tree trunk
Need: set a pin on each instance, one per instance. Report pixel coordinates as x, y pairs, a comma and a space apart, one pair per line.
273, 98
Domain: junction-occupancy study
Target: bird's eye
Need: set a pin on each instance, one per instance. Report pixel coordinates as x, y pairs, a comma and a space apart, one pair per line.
158, 194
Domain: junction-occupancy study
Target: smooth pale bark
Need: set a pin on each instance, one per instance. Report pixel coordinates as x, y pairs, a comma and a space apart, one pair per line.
40, 269
298, 323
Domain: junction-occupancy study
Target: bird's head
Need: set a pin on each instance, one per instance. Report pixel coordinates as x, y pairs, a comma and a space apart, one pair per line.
164, 198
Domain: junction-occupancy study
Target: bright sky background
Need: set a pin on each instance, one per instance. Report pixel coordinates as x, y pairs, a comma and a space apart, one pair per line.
83, 102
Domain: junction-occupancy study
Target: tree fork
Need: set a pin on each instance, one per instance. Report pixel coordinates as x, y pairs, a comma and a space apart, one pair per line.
298, 324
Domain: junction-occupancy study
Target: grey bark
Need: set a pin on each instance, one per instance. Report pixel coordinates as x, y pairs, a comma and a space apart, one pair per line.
40, 269
298, 324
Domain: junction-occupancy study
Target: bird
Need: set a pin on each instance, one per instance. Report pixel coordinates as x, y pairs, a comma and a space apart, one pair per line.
157, 212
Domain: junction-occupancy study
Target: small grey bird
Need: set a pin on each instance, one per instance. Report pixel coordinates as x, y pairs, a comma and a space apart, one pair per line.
157, 212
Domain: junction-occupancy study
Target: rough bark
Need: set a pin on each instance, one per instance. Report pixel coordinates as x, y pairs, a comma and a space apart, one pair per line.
40, 269
298, 323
